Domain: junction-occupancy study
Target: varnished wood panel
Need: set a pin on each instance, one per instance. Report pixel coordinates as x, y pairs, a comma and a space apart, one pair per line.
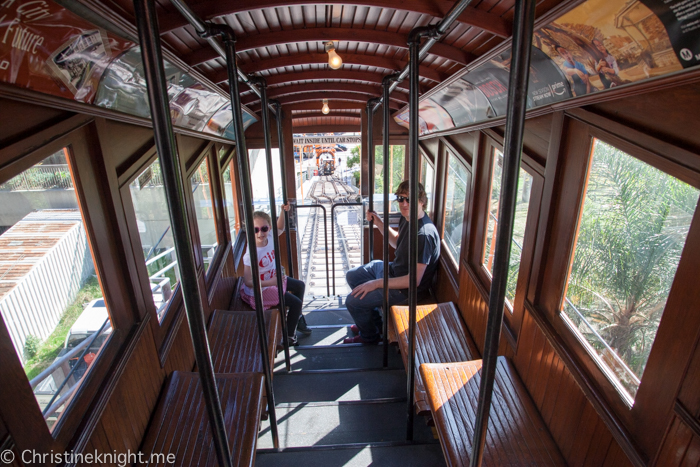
577, 429
126, 416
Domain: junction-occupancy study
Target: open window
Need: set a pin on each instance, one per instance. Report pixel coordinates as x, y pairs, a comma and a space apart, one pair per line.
203, 197
397, 172
457, 187
521, 210
157, 248
632, 228
427, 178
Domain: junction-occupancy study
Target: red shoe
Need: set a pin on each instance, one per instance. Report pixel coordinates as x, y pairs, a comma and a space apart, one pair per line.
354, 329
360, 340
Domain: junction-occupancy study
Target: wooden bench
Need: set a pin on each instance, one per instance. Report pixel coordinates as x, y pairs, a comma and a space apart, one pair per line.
234, 341
180, 424
441, 337
516, 433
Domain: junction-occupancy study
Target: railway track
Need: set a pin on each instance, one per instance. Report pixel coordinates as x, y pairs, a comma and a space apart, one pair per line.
318, 270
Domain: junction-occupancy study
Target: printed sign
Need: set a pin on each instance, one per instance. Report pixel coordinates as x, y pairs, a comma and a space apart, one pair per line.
328, 140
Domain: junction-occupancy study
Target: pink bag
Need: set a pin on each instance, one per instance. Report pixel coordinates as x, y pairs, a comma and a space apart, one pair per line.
270, 295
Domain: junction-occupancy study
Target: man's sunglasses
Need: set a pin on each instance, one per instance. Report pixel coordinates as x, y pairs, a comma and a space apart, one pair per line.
401, 199
262, 229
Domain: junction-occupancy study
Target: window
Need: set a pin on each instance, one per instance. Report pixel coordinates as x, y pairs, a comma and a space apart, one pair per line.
259, 179
204, 209
631, 232
455, 199
230, 200
521, 208
427, 178
50, 297
397, 164
153, 221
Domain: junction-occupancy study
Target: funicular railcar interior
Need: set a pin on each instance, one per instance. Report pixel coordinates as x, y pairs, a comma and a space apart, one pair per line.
558, 147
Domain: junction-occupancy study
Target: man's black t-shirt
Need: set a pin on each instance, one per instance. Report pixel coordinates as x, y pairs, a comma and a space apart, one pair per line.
428, 250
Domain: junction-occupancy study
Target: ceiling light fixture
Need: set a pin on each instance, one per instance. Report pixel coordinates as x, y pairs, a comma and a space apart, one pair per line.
334, 60
325, 109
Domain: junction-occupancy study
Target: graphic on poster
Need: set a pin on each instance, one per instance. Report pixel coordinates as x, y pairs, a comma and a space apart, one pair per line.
75, 60
464, 102
602, 44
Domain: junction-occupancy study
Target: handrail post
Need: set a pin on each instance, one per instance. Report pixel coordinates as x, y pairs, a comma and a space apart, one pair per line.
169, 158
386, 84
370, 153
414, 39
262, 85
523, 27
283, 168
229, 40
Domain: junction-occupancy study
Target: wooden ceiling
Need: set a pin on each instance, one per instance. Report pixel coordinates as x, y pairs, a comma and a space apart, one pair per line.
283, 41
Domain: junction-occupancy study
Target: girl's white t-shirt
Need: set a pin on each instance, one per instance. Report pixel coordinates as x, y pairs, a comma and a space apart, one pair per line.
266, 262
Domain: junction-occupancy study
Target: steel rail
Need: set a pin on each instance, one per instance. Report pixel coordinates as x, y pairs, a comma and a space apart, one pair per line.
325, 231
152, 56
262, 84
440, 29
229, 40
333, 233
523, 28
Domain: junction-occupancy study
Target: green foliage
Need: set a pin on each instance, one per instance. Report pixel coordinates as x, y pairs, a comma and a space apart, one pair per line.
31, 346
47, 351
354, 159
632, 231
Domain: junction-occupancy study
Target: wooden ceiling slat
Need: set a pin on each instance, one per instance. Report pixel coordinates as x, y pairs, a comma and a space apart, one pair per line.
324, 87
315, 99
476, 17
327, 34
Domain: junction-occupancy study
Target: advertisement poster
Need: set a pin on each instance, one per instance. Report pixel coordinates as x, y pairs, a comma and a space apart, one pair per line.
46, 48
492, 80
681, 18
601, 44
431, 117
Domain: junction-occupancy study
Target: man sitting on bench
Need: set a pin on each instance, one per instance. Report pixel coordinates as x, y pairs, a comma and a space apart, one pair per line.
367, 281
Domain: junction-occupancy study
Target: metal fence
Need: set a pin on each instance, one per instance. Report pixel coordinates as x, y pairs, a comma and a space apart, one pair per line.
40, 177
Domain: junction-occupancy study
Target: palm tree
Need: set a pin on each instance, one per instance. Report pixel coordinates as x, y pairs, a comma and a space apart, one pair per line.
632, 232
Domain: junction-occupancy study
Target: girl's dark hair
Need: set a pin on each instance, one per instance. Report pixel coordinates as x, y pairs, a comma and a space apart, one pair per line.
262, 215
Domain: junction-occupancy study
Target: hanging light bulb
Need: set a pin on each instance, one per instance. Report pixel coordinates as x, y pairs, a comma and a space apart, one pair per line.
334, 60
325, 109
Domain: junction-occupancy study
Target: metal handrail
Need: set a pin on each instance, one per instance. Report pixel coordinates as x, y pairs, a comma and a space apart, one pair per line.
325, 231
152, 55
523, 29
617, 358
333, 232
273, 214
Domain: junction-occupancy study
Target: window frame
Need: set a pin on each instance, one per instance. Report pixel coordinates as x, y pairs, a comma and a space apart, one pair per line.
229, 160
566, 194
450, 153
90, 177
489, 141
207, 155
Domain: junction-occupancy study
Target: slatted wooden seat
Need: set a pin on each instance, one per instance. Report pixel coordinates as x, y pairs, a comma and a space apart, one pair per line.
441, 337
234, 341
180, 424
516, 433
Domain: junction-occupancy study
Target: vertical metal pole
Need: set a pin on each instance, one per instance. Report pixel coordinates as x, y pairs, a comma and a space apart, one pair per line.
283, 167
386, 83
413, 44
370, 154
229, 40
523, 27
262, 85
169, 158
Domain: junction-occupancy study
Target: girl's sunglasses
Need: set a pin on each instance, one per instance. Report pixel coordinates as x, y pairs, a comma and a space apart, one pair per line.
262, 229
401, 199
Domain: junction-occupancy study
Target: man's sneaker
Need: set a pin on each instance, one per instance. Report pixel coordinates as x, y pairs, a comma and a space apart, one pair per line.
354, 329
293, 341
361, 340
302, 327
